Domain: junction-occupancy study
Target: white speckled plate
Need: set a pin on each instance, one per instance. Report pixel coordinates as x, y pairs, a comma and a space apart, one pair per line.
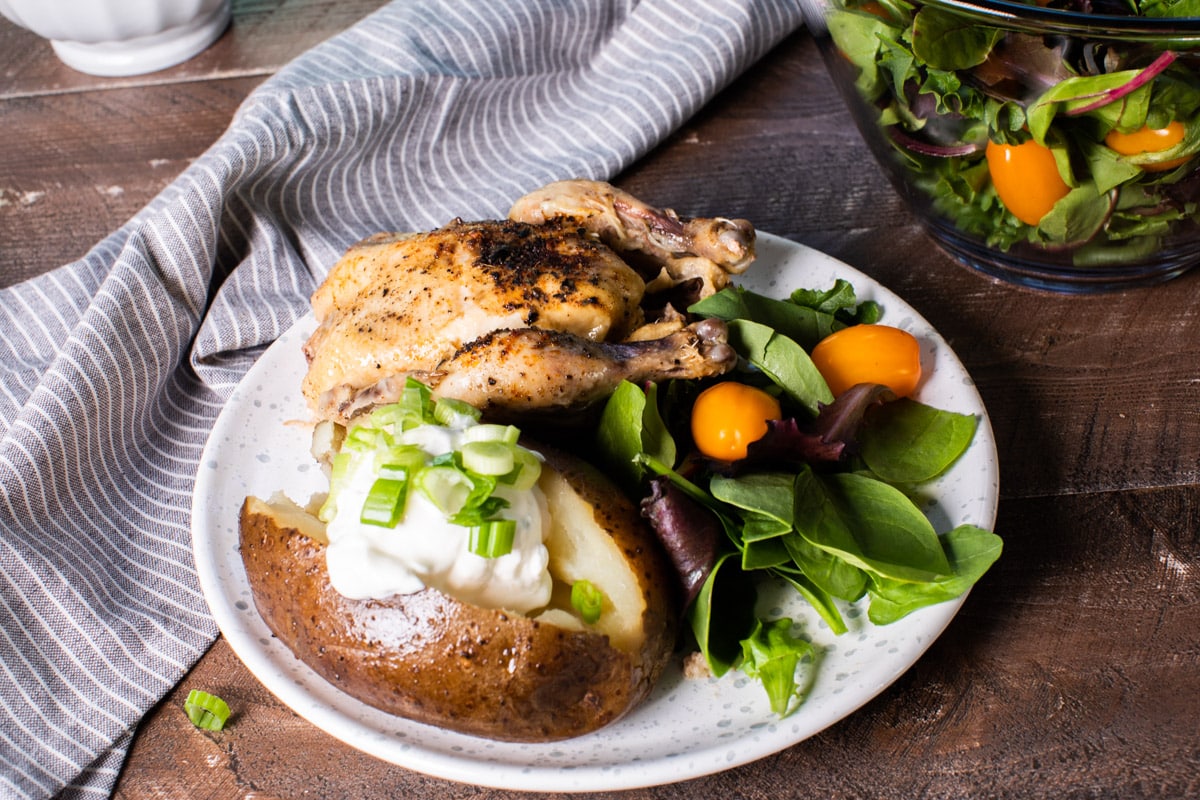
686, 728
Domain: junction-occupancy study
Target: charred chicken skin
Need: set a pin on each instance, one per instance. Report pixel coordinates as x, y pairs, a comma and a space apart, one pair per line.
518, 316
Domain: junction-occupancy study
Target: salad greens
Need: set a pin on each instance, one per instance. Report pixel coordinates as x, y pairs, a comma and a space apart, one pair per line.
941, 86
823, 502
771, 654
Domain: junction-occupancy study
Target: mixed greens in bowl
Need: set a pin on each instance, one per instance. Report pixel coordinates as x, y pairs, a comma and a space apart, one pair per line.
1050, 146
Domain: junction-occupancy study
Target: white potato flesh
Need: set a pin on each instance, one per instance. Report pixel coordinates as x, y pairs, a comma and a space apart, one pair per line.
581, 550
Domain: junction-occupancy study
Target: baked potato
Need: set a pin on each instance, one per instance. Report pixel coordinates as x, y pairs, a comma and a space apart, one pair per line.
429, 657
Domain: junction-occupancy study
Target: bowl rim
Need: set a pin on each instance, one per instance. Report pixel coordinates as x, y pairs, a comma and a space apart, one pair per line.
1025, 17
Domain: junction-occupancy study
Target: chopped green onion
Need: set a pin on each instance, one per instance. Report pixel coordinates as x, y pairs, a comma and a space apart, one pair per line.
527, 468
446, 487
448, 411
339, 468
492, 538
384, 505
394, 472
489, 432
460, 483
403, 456
363, 439
488, 457
451, 459
587, 600
206, 710
386, 416
416, 403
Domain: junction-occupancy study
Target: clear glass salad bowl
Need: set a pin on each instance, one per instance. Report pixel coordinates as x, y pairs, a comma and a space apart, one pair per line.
1051, 147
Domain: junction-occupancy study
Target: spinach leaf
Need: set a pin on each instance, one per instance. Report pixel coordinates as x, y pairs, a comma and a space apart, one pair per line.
760, 527
870, 524
805, 325
783, 360
764, 553
907, 442
840, 301
1077, 217
765, 501
1174, 98
767, 494
656, 439
1098, 254
1107, 167
971, 551
831, 574
629, 428
722, 614
819, 599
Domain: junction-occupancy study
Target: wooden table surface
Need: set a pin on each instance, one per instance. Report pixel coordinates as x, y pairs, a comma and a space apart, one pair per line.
1073, 669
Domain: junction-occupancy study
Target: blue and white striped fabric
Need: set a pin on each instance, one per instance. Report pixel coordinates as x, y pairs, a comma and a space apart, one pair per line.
113, 369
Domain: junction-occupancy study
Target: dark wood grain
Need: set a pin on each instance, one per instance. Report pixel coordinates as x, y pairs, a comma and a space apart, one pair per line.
95, 162
264, 36
1072, 670
82, 154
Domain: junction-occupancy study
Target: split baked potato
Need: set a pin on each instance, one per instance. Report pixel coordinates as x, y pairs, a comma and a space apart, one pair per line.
431, 658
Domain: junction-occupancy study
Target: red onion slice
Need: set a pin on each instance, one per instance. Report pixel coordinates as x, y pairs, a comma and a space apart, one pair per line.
926, 149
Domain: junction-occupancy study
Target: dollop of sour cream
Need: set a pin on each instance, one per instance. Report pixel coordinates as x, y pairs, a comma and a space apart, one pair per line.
424, 549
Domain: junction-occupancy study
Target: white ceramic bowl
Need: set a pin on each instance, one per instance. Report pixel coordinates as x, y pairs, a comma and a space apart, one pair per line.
122, 37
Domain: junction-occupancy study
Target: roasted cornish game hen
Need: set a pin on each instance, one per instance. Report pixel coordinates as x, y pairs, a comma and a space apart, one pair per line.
546, 311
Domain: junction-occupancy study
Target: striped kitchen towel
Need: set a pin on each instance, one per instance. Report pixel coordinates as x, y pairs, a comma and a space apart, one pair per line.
114, 368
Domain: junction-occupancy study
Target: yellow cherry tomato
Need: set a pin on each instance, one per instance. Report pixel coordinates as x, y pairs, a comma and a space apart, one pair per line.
1026, 179
869, 354
1149, 140
728, 416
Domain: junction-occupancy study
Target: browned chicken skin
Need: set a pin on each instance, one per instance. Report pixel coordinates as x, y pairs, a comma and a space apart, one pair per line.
506, 373
678, 249
514, 316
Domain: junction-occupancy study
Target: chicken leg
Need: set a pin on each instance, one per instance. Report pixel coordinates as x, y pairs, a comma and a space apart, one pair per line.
510, 374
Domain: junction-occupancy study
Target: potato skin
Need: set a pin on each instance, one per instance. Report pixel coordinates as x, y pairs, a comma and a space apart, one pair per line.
431, 658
